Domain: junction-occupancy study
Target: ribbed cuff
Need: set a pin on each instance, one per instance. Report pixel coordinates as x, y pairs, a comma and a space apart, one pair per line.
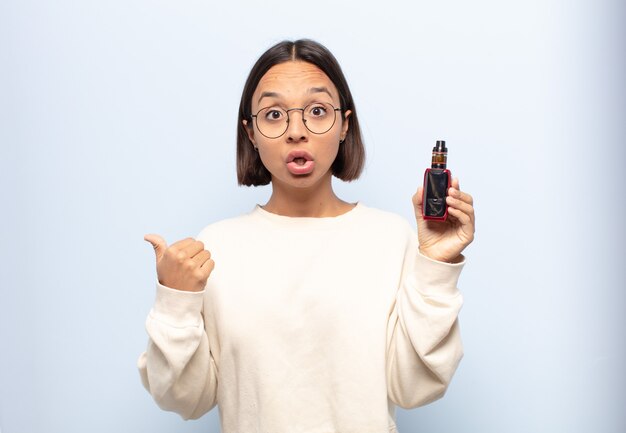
177, 307
435, 277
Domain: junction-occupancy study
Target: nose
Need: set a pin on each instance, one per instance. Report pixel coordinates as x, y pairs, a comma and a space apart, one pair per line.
296, 131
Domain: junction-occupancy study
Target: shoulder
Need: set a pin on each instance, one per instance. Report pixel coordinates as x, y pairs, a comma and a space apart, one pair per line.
379, 216
227, 228
385, 221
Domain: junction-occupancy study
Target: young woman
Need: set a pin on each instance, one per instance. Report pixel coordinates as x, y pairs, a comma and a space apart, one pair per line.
319, 315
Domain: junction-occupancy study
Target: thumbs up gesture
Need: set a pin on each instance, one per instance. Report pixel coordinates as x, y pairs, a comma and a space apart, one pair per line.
184, 265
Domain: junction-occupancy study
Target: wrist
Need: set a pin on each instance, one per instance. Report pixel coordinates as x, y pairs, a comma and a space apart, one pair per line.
440, 258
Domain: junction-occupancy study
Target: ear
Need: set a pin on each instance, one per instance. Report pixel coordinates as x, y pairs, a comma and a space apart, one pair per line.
249, 130
345, 124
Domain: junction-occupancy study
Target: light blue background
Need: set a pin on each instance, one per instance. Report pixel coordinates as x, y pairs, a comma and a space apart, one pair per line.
118, 119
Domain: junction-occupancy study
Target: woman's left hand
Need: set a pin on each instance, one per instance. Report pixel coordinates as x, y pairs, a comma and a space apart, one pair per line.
444, 240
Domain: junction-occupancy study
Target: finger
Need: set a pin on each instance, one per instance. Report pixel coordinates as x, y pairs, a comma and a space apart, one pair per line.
208, 266
455, 183
463, 218
177, 251
181, 244
463, 196
466, 208
467, 226
193, 248
158, 243
417, 197
201, 257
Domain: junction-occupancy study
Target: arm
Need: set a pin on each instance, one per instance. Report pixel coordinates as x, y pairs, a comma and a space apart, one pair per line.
177, 368
423, 340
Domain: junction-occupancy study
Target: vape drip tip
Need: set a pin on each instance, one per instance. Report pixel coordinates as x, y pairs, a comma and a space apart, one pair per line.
440, 155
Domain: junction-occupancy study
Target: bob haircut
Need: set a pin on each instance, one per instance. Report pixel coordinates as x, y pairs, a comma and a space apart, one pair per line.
350, 159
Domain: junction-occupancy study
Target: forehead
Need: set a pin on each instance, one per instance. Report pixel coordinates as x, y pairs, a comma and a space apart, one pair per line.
293, 79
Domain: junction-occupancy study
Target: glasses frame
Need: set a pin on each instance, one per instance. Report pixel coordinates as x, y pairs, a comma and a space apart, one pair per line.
256, 119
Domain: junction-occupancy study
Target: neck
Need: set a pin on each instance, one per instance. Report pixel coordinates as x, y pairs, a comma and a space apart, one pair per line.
318, 201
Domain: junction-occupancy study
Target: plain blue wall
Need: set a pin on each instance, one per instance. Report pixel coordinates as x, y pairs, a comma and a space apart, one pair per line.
118, 119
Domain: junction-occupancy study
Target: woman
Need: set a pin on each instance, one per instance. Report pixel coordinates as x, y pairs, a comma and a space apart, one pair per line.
320, 315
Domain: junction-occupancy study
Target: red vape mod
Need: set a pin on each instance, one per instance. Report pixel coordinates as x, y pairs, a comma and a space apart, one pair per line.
436, 183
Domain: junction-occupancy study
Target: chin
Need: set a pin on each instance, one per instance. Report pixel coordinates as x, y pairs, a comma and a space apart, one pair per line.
300, 180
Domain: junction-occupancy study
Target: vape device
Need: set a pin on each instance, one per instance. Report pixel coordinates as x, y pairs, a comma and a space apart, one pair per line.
437, 180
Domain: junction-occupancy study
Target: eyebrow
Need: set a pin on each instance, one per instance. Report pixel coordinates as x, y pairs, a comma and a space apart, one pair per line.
320, 90
267, 95
311, 90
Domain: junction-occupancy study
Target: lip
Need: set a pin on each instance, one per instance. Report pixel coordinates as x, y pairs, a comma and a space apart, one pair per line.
299, 154
297, 169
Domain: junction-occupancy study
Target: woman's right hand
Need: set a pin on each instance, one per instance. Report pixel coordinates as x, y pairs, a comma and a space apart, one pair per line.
184, 265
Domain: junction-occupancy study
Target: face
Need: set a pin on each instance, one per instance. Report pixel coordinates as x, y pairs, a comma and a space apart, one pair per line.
298, 158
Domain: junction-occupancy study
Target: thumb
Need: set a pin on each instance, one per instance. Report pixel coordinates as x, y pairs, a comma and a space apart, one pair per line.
417, 203
158, 243
417, 198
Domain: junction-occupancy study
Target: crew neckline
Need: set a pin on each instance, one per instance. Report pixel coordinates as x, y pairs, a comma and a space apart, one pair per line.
308, 221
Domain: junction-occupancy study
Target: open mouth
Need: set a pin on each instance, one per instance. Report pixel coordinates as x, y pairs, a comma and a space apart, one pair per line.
300, 162
300, 157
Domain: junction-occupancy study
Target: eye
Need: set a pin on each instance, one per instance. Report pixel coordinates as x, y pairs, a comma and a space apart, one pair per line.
317, 110
273, 114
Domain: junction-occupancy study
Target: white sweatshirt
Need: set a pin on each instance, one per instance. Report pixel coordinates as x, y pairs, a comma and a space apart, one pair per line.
316, 325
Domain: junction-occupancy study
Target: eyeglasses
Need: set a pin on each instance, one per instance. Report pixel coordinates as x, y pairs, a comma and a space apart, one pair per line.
318, 117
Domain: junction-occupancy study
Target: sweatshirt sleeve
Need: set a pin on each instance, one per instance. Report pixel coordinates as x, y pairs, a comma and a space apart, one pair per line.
177, 368
423, 340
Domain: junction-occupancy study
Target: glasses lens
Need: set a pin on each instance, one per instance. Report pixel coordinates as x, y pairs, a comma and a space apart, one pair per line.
318, 117
272, 121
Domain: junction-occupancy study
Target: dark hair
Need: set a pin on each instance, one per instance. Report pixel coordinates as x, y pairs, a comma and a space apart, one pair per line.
351, 156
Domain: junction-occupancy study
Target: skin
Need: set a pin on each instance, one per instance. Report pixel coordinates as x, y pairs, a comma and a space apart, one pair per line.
444, 241
299, 195
186, 265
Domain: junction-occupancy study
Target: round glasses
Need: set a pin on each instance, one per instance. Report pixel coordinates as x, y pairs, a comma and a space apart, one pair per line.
318, 117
